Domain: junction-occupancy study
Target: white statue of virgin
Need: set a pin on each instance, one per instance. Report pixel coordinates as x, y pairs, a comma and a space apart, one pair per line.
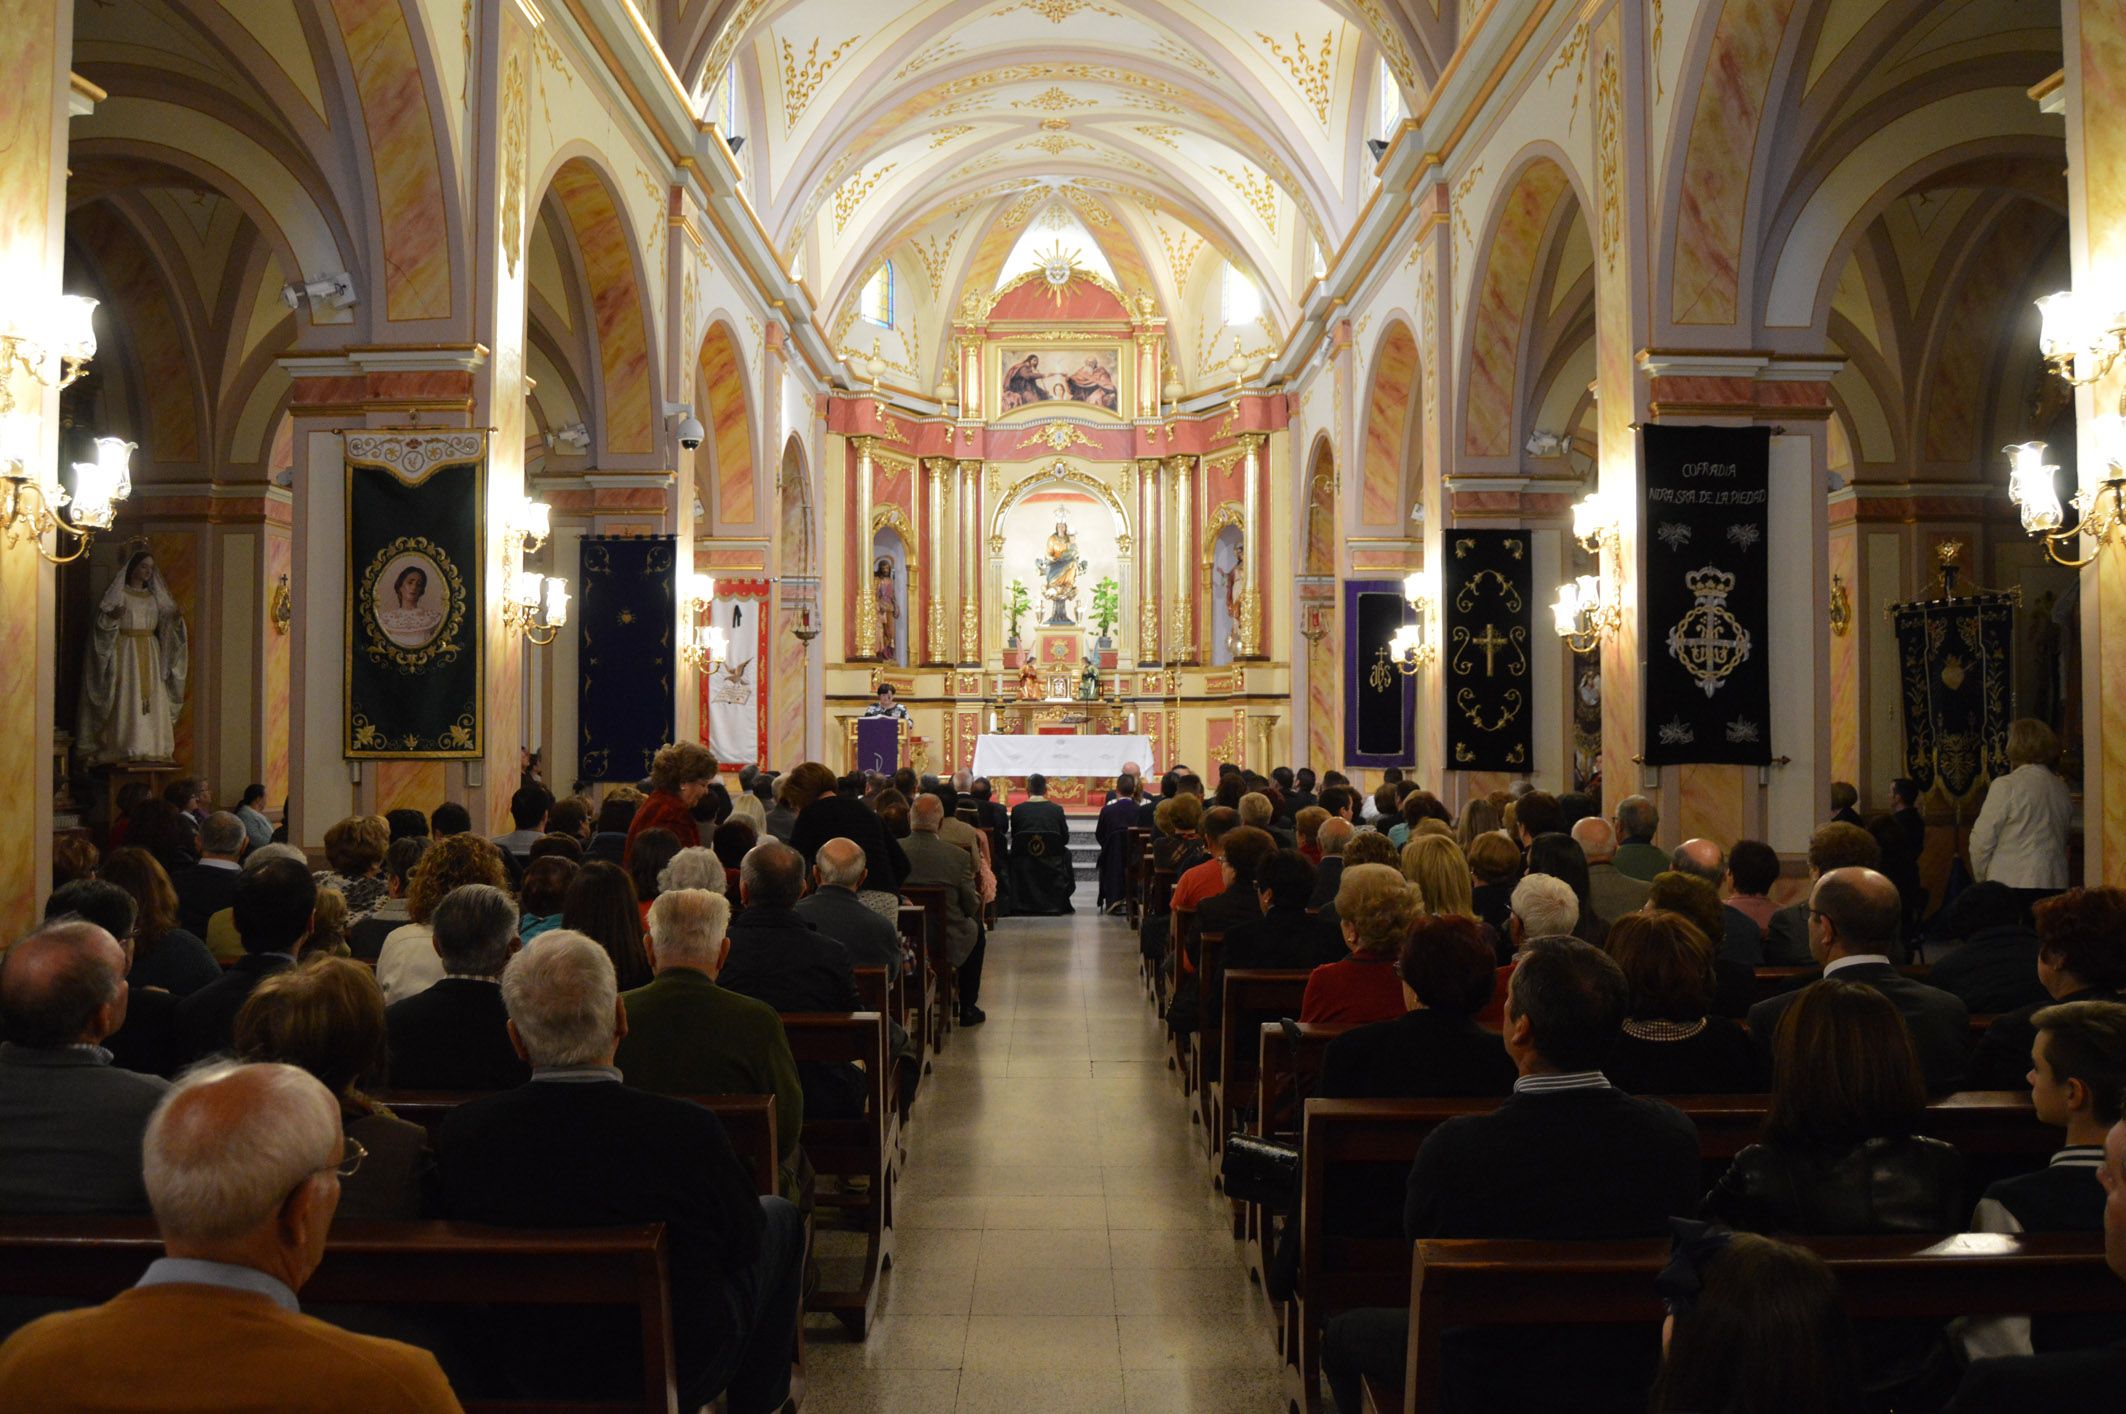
133, 677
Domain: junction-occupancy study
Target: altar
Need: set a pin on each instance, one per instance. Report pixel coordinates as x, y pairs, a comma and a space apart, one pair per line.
1060, 756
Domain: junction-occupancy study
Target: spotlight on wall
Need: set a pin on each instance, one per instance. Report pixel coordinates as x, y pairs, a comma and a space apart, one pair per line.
576, 437
1378, 147
734, 142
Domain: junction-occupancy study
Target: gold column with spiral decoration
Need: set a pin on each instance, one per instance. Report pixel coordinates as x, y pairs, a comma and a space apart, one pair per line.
866, 604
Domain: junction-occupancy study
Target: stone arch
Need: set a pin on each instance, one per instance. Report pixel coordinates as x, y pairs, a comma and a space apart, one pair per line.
1534, 204
1391, 428
725, 478
626, 397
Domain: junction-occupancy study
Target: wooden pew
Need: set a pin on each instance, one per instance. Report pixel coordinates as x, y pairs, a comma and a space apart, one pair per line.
1340, 1273
852, 1148
1253, 998
1158, 901
1136, 850
1468, 1283
1206, 951
931, 899
749, 1121
920, 1019
876, 991
399, 1264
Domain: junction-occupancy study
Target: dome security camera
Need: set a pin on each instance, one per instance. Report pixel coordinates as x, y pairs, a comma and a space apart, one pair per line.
687, 427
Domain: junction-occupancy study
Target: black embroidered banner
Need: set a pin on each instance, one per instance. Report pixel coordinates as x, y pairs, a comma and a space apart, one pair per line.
1955, 677
624, 658
1703, 531
1485, 585
414, 558
1379, 702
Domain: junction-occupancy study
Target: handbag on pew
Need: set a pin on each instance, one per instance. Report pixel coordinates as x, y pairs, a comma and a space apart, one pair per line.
1259, 1170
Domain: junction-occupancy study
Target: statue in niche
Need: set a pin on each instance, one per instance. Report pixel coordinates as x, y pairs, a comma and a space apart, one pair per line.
889, 612
1058, 568
1231, 577
133, 674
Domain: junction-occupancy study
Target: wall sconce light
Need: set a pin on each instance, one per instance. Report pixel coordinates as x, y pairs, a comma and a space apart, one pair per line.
2080, 338
530, 523
52, 342
806, 628
706, 647
700, 591
537, 606
1314, 623
1591, 607
1410, 651
2099, 510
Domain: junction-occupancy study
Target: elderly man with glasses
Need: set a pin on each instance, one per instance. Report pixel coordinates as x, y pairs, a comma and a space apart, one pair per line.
243, 1166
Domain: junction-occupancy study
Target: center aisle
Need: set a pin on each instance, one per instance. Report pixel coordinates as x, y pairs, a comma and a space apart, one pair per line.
1058, 1247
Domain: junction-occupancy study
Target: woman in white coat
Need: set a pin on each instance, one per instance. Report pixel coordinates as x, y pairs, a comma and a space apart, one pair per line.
2021, 836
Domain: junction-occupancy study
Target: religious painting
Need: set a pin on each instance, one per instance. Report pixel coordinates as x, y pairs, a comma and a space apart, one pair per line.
1704, 602
1486, 583
414, 670
1088, 376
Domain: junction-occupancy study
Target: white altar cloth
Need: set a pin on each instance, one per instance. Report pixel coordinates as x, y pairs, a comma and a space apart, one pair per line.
1059, 755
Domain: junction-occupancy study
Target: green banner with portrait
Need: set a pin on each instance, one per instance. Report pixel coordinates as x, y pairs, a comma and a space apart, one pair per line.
414, 591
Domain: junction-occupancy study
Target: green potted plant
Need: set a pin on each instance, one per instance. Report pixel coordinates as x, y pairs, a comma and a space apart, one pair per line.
1107, 609
1016, 602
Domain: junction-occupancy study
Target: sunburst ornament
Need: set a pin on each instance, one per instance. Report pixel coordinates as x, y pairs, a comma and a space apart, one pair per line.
1059, 267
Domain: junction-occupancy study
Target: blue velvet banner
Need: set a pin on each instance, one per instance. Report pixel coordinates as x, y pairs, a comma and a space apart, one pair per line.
624, 656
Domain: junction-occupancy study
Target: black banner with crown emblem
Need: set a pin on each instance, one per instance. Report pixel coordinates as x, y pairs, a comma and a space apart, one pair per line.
1704, 528
1956, 675
1485, 586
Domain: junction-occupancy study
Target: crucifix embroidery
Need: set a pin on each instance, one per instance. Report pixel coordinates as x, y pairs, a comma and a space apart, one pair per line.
1491, 641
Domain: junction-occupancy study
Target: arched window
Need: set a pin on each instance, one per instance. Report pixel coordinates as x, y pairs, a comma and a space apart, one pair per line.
1240, 301
1388, 105
876, 302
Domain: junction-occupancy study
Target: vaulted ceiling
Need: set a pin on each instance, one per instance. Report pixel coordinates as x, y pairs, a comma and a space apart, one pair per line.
931, 133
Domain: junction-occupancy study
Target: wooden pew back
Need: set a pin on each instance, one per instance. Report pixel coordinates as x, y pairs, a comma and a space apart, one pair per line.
395, 1264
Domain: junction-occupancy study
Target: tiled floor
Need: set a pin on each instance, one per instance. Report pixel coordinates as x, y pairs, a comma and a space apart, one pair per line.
1058, 1247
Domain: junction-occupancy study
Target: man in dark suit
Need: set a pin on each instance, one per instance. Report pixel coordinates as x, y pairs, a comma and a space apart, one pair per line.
778, 957
1566, 1157
838, 875
1117, 818
933, 862
70, 1121
208, 886
455, 1035
2068, 1379
1739, 940
1832, 846
1331, 837
1853, 918
146, 1040
1041, 875
1904, 813
275, 904
574, 1147
1298, 788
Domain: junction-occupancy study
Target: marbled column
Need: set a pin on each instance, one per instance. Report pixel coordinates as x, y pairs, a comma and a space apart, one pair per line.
2095, 50
1250, 636
860, 570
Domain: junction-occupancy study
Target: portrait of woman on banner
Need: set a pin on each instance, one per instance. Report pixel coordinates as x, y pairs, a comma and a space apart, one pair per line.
410, 601
133, 677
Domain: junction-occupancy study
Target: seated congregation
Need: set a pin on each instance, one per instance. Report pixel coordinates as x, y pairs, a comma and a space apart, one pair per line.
558, 1116
667, 1018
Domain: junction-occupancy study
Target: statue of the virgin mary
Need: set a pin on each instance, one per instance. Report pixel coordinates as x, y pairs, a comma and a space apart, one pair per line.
133, 676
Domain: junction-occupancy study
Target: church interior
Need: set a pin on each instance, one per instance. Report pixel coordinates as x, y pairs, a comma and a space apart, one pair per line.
1705, 419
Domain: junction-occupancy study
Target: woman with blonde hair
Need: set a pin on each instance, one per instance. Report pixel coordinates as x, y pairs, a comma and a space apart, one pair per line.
1479, 817
1436, 865
327, 1017
2021, 836
1376, 908
407, 963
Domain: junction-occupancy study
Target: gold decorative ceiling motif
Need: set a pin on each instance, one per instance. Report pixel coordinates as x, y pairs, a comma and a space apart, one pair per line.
949, 132
1259, 192
1313, 77
1055, 144
850, 195
1057, 11
802, 80
1053, 100
1059, 437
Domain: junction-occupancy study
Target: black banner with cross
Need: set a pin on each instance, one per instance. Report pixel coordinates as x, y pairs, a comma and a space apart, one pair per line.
1485, 585
1704, 607
1956, 674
